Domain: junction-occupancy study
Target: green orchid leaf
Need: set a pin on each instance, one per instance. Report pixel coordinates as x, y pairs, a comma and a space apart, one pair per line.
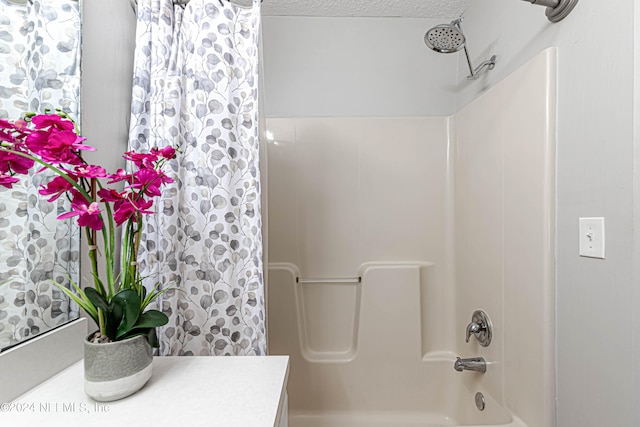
80, 299
151, 319
149, 333
155, 293
152, 337
96, 299
146, 325
125, 307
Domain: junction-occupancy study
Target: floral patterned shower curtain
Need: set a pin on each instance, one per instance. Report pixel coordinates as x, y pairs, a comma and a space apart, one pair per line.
39, 69
195, 87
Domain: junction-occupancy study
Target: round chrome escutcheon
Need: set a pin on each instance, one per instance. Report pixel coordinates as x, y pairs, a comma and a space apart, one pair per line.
480, 401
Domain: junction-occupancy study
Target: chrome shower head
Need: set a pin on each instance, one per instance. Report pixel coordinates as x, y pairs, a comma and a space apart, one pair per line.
445, 38
448, 38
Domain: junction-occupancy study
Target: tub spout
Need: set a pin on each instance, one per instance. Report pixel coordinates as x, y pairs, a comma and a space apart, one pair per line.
476, 364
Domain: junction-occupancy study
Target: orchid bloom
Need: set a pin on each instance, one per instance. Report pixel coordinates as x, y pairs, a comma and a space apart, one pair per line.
131, 209
167, 152
125, 205
90, 171
15, 163
145, 180
7, 181
56, 187
57, 146
142, 160
88, 213
120, 175
43, 121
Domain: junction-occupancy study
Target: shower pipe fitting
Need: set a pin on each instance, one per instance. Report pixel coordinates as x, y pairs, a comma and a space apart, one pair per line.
557, 10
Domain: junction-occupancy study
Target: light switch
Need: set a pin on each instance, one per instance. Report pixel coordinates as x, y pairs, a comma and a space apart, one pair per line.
592, 237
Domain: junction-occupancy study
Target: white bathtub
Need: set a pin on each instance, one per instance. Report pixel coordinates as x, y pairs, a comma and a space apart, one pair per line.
358, 356
380, 419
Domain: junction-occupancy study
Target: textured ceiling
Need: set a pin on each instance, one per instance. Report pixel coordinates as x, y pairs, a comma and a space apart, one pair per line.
445, 9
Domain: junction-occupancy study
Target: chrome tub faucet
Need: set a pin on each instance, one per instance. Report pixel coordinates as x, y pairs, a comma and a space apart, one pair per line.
476, 364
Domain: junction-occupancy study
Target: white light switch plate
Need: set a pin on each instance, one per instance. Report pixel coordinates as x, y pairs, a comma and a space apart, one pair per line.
592, 237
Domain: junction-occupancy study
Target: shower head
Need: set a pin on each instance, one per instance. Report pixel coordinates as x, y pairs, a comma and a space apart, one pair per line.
445, 38
448, 38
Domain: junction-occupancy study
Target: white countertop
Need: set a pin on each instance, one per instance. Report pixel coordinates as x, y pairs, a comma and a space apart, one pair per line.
183, 391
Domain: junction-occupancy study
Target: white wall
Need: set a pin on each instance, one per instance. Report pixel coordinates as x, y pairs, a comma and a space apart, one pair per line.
332, 67
108, 38
595, 309
636, 208
108, 32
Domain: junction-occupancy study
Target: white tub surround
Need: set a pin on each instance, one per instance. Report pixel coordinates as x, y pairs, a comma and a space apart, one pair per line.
217, 396
505, 235
435, 217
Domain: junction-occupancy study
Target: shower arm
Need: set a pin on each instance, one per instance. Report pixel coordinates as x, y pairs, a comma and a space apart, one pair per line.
490, 64
548, 3
475, 72
557, 10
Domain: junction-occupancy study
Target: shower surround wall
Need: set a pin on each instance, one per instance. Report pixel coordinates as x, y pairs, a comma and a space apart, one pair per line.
505, 222
438, 216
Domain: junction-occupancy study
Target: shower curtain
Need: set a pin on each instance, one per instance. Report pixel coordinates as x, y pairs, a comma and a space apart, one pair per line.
39, 70
196, 88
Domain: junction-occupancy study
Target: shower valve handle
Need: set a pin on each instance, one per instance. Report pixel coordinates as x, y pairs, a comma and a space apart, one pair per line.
480, 327
474, 328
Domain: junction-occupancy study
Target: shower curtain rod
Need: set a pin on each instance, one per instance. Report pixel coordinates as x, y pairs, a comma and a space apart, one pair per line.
333, 280
182, 3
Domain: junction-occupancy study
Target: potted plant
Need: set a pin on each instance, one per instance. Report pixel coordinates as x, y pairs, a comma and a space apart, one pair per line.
120, 352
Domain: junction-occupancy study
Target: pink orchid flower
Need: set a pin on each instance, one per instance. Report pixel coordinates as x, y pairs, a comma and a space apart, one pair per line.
43, 121
142, 160
62, 147
6, 131
14, 162
131, 209
7, 181
120, 175
125, 205
20, 125
88, 213
57, 146
5, 124
149, 181
90, 171
13, 132
167, 152
56, 187
110, 195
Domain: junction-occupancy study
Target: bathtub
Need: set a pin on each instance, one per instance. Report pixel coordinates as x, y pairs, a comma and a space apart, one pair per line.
457, 408
360, 353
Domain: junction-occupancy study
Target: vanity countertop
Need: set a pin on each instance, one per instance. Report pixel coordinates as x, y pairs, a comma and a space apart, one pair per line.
183, 391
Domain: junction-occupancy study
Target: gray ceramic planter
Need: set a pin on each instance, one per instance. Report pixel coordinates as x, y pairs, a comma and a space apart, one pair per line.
117, 369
